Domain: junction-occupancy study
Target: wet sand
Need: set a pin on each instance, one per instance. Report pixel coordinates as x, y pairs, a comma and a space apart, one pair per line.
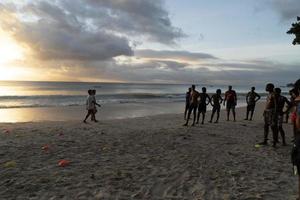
151, 157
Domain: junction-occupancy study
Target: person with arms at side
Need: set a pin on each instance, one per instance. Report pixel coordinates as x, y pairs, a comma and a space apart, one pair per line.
193, 105
296, 147
251, 99
216, 101
281, 101
270, 119
231, 101
204, 101
292, 109
187, 102
293, 94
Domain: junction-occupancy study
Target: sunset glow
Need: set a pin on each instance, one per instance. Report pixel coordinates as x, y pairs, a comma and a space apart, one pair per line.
171, 43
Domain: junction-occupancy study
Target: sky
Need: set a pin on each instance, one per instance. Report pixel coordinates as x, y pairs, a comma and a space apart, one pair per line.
158, 41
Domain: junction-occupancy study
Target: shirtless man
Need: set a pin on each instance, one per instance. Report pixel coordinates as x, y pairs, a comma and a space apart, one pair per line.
270, 118
296, 158
231, 99
251, 99
204, 101
187, 102
216, 101
193, 105
281, 101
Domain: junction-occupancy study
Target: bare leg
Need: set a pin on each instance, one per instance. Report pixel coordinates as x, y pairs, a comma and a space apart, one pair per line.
198, 116
266, 133
247, 113
195, 113
188, 117
286, 117
228, 113
203, 117
282, 133
218, 116
252, 111
185, 112
233, 112
87, 116
212, 116
275, 134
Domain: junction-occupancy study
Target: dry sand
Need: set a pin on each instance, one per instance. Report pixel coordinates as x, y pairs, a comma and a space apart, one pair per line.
144, 158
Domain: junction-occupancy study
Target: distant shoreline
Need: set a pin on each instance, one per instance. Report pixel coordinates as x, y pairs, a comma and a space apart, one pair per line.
106, 112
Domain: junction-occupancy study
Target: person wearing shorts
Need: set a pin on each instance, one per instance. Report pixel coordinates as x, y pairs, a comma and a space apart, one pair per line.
231, 101
216, 101
281, 101
187, 102
295, 155
193, 105
251, 99
204, 101
270, 117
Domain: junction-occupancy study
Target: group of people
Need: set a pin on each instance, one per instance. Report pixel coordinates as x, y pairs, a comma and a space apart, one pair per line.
273, 113
198, 102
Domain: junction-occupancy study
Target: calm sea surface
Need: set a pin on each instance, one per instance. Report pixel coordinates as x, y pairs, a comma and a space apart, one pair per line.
53, 94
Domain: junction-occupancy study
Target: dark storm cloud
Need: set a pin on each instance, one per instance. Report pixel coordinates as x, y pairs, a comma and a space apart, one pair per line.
88, 29
140, 16
184, 55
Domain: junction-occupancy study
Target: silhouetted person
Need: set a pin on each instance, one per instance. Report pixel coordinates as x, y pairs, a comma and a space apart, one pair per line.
187, 102
95, 108
90, 106
270, 117
193, 105
204, 101
281, 101
292, 109
251, 99
230, 100
296, 146
216, 101
293, 94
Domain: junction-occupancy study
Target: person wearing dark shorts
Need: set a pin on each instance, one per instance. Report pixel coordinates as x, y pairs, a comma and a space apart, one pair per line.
187, 102
216, 101
295, 155
281, 101
251, 99
231, 101
270, 117
204, 101
193, 105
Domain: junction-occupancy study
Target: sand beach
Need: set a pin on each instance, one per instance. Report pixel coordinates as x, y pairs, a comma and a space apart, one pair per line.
143, 158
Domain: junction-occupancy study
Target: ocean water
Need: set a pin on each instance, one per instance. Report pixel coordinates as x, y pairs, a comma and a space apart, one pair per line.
20, 94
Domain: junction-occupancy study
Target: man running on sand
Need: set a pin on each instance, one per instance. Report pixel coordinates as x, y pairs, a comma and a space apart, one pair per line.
231, 99
204, 101
251, 99
193, 105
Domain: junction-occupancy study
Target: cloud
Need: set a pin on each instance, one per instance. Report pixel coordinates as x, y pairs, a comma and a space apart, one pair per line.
181, 55
161, 71
87, 29
288, 9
